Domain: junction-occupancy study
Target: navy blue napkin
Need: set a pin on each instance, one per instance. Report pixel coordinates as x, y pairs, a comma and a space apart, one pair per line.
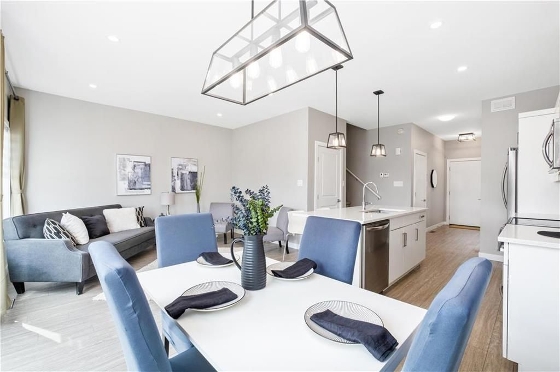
214, 258
377, 340
296, 270
199, 301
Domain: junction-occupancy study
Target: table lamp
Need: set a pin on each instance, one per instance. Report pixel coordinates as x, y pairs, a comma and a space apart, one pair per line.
167, 199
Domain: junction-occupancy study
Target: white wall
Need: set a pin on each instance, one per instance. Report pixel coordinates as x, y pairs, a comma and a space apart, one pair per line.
72, 147
273, 152
457, 150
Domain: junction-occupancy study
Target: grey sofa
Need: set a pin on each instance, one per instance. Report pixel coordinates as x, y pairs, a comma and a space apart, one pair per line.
32, 258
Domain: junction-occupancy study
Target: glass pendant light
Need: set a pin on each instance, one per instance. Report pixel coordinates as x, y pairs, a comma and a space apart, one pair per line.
288, 41
337, 140
378, 149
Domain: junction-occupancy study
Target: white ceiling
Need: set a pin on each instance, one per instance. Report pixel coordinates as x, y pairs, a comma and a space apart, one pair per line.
161, 60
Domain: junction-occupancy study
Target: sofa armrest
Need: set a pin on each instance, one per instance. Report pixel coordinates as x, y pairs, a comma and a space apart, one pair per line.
45, 260
149, 222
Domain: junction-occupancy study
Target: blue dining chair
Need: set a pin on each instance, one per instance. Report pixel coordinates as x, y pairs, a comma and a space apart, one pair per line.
441, 340
332, 244
138, 333
179, 239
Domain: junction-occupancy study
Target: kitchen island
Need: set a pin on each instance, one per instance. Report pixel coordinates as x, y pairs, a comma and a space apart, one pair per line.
392, 242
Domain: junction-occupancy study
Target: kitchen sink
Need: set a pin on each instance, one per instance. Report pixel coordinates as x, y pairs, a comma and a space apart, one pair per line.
382, 210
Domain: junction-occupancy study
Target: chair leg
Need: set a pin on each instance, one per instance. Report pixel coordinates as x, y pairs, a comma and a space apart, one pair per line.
79, 288
280, 243
287, 250
225, 238
166, 345
19, 286
232, 236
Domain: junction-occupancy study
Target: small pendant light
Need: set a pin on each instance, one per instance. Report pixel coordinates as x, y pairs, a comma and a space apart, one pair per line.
378, 149
337, 140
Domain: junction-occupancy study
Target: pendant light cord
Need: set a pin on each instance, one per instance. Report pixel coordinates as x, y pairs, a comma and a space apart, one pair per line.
336, 101
378, 139
252, 9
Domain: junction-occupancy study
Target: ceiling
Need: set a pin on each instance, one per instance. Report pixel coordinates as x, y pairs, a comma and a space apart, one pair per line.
160, 62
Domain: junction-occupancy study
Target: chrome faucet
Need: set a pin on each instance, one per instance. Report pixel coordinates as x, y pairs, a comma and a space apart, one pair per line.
376, 193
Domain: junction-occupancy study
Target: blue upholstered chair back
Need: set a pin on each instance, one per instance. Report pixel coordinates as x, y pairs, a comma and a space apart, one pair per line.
138, 333
440, 341
332, 244
182, 238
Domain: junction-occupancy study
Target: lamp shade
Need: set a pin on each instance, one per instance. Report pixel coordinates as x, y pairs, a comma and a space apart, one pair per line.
378, 150
167, 198
337, 140
287, 42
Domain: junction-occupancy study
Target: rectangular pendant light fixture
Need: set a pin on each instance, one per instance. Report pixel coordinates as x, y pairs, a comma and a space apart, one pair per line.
466, 137
289, 41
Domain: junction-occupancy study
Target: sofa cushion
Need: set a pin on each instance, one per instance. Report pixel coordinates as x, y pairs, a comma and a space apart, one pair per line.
96, 226
140, 216
76, 227
121, 219
124, 240
54, 230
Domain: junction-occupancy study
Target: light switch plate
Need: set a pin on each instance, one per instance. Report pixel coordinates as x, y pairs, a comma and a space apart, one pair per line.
398, 183
385, 175
300, 183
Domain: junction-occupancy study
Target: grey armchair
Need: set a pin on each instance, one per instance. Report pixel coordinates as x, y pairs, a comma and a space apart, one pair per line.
279, 232
222, 214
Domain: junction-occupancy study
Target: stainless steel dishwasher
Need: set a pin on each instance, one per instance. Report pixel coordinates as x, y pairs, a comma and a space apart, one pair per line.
375, 259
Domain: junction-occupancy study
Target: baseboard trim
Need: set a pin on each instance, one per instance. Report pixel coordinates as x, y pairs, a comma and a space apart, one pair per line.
433, 227
492, 257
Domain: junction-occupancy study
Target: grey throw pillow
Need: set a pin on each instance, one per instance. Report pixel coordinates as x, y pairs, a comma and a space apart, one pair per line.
54, 230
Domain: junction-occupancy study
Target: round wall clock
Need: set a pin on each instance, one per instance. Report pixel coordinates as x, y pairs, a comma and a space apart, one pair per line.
433, 178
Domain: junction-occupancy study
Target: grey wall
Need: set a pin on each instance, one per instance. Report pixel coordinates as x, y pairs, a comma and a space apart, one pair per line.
356, 156
499, 130
457, 150
72, 147
320, 124
433, 146
273, 152
367, 168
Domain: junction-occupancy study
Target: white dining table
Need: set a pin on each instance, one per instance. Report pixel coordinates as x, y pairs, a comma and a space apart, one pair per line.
266, 331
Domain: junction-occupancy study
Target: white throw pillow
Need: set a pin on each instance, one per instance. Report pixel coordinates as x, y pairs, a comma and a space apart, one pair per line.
121, 219
76, 227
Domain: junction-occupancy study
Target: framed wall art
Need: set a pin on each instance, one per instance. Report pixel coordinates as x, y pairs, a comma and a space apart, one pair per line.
134, 175
184, 175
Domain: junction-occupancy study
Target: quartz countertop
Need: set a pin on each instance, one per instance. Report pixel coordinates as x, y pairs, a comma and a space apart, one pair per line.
356, 214
527, 235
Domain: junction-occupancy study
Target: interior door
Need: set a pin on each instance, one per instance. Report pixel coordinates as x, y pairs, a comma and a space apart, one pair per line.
464, 192
420, 180
328, 176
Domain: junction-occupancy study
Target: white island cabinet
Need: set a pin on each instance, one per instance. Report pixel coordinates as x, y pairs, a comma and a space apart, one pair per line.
531, 298
407, 238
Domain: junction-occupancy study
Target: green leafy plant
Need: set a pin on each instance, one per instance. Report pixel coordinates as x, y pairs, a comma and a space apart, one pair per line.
199, 185
251, 210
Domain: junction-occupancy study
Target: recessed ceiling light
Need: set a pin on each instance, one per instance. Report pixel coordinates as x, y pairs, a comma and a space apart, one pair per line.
219, 114
113, 38
436, 24
446, 117
461, 68
93, 86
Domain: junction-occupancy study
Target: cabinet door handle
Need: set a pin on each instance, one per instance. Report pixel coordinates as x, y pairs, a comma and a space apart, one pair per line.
404, 239
416, 234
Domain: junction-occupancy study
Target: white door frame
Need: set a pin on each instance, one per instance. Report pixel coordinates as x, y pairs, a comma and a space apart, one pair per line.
414, 176
342, 172
449, 161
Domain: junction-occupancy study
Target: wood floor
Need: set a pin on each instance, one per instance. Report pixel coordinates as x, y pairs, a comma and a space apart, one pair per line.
52, 329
